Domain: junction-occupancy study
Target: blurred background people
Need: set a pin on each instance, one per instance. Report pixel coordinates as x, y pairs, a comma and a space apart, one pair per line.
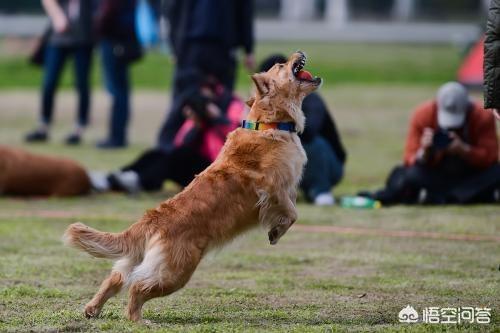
119, 48
211, 113
205, 36
451, 154
326, 155
491, 56
70, 37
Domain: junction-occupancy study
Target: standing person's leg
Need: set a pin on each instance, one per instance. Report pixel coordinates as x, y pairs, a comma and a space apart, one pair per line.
231, 67
117, 83
322, 171
187, 77
175, 118
55, 57
83, 61
216, 60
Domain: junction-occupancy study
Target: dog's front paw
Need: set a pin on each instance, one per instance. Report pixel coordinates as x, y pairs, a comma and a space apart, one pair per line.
273, 235
279, 230
92, 311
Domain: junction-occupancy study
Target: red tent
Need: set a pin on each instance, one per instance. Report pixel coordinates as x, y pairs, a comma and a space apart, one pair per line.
470, 72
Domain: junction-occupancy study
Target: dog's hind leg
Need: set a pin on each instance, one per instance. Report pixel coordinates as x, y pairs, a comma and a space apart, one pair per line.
109, 287
160, 274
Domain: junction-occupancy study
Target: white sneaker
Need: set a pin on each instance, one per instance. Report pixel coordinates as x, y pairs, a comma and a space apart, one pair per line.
422, 196
99, 181
129, 180
324, 199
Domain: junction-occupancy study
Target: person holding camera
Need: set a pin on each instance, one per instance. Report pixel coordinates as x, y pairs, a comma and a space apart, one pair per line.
451, 154
209, 115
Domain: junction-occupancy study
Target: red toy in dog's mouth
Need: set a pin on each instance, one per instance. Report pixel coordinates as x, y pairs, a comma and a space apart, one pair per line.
304, 75
301, 74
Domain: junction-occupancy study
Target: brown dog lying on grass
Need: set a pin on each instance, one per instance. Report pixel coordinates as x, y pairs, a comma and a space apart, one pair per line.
254, 180
26, 174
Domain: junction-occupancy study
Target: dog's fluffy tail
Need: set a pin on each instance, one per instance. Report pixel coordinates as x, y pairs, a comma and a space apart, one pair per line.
96, 243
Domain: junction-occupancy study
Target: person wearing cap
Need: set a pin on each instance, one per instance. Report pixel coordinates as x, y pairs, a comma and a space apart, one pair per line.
451, 153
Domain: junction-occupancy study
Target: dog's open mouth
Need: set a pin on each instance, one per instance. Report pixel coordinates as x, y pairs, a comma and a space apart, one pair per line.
301, 74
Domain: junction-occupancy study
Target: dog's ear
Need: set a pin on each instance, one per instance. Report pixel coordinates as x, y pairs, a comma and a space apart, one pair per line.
262, 82
250, 102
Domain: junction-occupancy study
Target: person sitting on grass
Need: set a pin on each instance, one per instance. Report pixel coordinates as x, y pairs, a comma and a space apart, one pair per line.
451, 154
325, 153
210, 114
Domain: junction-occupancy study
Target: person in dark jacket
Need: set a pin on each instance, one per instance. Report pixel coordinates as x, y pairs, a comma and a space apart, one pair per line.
70, 36
205, 36
326, 155
491, 56
119, 48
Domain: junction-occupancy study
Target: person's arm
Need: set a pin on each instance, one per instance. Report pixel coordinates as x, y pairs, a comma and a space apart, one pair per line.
483, 152
491, 55
56, 14
173, 13
246, 13
223, 124
419, 139
106, 16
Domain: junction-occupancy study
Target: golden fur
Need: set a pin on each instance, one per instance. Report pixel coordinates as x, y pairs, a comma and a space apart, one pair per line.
253, 181
26, 174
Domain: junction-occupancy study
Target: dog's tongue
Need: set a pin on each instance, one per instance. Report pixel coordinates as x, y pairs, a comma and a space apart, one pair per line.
304, 75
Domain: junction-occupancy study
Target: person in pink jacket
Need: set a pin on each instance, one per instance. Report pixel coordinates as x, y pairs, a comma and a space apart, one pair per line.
210, 113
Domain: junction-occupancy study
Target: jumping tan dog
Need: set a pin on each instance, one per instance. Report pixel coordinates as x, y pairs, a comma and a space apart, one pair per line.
26, 174
254, 180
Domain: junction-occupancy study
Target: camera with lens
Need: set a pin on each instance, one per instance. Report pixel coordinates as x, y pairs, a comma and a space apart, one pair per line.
441, 139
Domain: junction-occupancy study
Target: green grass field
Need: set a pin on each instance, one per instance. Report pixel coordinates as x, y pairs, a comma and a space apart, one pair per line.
338, 63
357, 277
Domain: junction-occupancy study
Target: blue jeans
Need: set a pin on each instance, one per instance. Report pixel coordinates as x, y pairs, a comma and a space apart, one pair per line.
55, 58
323, 169
116, 78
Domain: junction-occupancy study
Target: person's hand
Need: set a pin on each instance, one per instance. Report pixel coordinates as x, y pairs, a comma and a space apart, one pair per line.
213, 111
496, 113
457, 145
60, 23
426, 139
249, 62
190, 114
